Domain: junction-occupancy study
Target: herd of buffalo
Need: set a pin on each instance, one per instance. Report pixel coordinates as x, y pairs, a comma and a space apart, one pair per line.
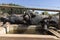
31, 19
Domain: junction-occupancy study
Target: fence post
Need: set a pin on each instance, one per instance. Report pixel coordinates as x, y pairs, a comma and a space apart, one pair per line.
59, 21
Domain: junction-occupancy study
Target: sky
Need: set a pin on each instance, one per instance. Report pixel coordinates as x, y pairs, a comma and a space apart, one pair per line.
49, 4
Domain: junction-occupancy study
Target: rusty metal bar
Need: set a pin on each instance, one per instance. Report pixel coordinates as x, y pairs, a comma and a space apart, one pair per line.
59, 21
6, 6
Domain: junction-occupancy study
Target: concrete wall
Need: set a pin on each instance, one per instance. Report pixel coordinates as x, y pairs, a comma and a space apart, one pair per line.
27, 37
2, 30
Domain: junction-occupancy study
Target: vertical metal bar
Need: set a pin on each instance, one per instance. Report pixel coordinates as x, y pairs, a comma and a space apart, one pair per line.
59, 21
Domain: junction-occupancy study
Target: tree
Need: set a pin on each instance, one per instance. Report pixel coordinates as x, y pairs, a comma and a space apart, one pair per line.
14, 10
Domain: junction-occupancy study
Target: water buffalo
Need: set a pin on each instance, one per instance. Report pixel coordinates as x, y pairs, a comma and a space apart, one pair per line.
13, 19
53, 21
31, 19
27, 18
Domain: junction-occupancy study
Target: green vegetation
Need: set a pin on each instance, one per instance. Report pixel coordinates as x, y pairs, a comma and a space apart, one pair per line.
13, 10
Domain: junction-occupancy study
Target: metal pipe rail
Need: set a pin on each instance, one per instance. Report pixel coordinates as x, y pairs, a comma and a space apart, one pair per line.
7, 6
54, 32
